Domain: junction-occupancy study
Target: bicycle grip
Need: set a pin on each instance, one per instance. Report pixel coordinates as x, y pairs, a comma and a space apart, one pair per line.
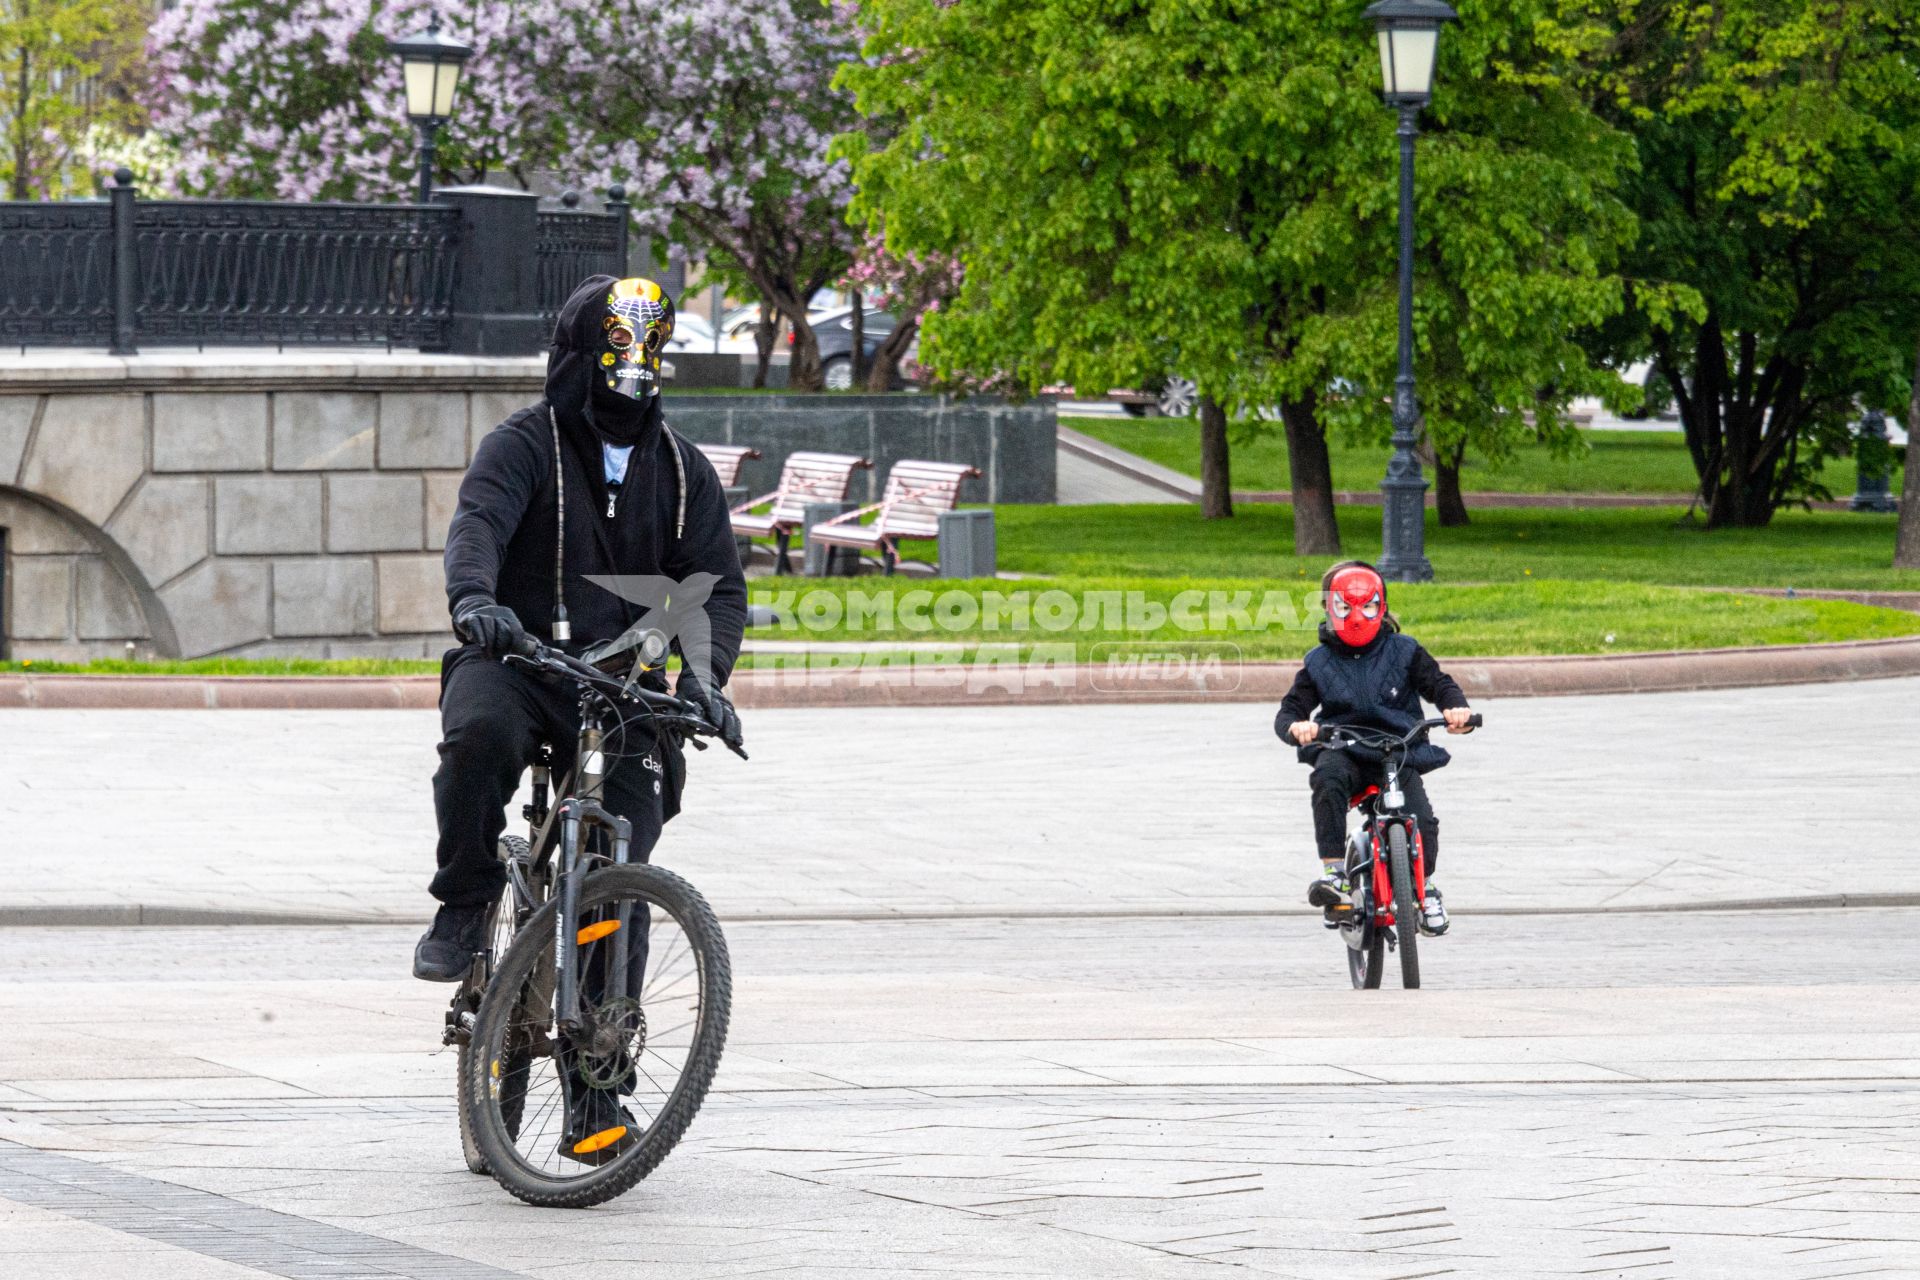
1474, 721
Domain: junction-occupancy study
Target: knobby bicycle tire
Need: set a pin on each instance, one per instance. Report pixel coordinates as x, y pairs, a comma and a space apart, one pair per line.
511, 847
1406, 907
660, 889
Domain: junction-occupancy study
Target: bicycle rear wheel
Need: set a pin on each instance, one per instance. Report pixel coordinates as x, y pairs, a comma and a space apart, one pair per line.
1368, 961
1406, 907
503, 921
599, 1109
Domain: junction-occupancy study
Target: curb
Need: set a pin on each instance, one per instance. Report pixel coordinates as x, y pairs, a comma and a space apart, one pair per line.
130, 916
911, 683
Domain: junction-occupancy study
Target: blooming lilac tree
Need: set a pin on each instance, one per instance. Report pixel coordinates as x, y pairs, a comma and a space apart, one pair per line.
300, 99
909, 285
721, 132
718, 117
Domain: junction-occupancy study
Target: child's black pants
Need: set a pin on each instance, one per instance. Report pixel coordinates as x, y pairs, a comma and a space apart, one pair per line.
1337, 776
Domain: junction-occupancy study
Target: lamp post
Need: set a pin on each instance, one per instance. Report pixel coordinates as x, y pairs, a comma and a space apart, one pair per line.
1871, 453
1409, 32
431, 64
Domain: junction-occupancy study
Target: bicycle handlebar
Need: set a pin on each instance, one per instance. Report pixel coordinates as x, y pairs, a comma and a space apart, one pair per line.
1384, 737
687, 715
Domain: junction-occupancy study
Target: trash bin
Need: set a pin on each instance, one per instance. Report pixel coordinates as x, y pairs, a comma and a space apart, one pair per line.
820, 561
966, 545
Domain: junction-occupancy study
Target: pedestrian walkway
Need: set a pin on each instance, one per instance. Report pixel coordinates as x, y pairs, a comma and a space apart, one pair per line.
1717, 1098
1648, 800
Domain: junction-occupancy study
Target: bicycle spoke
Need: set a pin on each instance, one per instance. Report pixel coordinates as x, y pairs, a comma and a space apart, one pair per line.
628, 1059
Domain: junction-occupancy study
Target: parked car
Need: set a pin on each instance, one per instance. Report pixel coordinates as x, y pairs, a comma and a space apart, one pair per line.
691, 333
833, 330
1174, 396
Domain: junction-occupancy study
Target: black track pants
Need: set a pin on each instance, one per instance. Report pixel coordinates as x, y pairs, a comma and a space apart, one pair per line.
492, 719
1337, 777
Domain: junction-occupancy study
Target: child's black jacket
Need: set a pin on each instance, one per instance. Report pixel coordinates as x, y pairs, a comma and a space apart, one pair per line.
1378, 685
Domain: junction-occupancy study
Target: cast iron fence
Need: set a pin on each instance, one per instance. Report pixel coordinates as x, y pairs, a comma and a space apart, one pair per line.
573, 246
56, 274
123, 272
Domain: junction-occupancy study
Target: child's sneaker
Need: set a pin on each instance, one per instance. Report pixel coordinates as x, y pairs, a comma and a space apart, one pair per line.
1331, 891
1433, 911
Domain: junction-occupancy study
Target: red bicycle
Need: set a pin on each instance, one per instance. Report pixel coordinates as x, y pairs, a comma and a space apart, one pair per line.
1386, 861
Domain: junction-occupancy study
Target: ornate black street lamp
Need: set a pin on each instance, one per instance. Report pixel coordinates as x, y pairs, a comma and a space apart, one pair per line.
431, 63
1872, 454
1409, 33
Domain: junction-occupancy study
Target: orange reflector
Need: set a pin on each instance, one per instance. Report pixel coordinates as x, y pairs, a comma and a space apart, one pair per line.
595, 932
604, 1138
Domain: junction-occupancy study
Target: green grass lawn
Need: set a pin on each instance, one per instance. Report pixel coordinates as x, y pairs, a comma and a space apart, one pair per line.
1532, 581
1820, 549
1616, 462
1514, 581
1278, 620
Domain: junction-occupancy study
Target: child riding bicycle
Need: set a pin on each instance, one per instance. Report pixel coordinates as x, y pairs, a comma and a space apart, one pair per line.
1366, 672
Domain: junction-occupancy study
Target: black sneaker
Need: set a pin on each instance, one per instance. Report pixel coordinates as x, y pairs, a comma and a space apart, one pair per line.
446, 951
599, 1129
1331, 892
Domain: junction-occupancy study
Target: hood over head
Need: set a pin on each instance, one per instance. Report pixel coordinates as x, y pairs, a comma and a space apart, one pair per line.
585, 411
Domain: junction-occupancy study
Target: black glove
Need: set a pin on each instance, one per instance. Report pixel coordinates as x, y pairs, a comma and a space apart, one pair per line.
491, 626
713, 704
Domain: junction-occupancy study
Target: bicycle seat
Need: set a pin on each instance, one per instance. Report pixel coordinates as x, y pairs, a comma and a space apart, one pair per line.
1355, 801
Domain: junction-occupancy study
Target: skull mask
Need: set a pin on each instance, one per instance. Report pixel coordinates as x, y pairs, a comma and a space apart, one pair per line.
639, 322
1356, 603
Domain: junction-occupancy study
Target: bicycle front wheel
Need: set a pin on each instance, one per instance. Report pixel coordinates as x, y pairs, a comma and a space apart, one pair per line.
572, 1118
1406, 907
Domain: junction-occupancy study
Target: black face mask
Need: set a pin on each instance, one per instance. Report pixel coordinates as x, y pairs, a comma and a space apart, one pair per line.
618, 419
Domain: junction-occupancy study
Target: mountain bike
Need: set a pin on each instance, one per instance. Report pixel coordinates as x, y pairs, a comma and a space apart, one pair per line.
1386, 860
593, 1019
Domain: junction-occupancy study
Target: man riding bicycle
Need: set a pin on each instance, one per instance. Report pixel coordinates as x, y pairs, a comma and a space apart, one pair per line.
596, 459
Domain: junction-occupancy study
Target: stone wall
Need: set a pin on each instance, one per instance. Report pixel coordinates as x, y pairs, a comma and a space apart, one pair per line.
260, 504
241, 503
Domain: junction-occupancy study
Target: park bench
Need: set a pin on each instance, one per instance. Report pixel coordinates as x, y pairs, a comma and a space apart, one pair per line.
916, 496
806, 479
727, 459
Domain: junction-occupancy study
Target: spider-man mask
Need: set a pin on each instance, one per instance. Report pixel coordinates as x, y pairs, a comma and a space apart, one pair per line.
1356, 603
639, 322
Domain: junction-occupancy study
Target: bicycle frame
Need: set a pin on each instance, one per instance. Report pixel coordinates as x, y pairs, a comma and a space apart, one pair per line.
1382, 811
1384, 808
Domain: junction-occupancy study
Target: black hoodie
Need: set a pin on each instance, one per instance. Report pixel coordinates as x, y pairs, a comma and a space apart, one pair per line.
669, 518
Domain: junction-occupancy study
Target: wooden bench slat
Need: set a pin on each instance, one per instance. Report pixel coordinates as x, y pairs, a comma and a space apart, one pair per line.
917, 494
727, 460
805, 478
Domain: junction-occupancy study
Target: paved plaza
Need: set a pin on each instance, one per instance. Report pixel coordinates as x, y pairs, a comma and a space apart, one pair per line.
1098, 1039
1648, 800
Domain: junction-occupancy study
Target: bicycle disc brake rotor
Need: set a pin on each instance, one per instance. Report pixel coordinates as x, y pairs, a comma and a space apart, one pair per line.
613, 1040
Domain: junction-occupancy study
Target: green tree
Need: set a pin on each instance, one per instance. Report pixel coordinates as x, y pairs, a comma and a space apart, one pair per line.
1208, 186
1906, 544
63, 70
1779, 157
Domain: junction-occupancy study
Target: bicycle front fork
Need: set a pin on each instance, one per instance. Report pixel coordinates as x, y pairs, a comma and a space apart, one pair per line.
578, 817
